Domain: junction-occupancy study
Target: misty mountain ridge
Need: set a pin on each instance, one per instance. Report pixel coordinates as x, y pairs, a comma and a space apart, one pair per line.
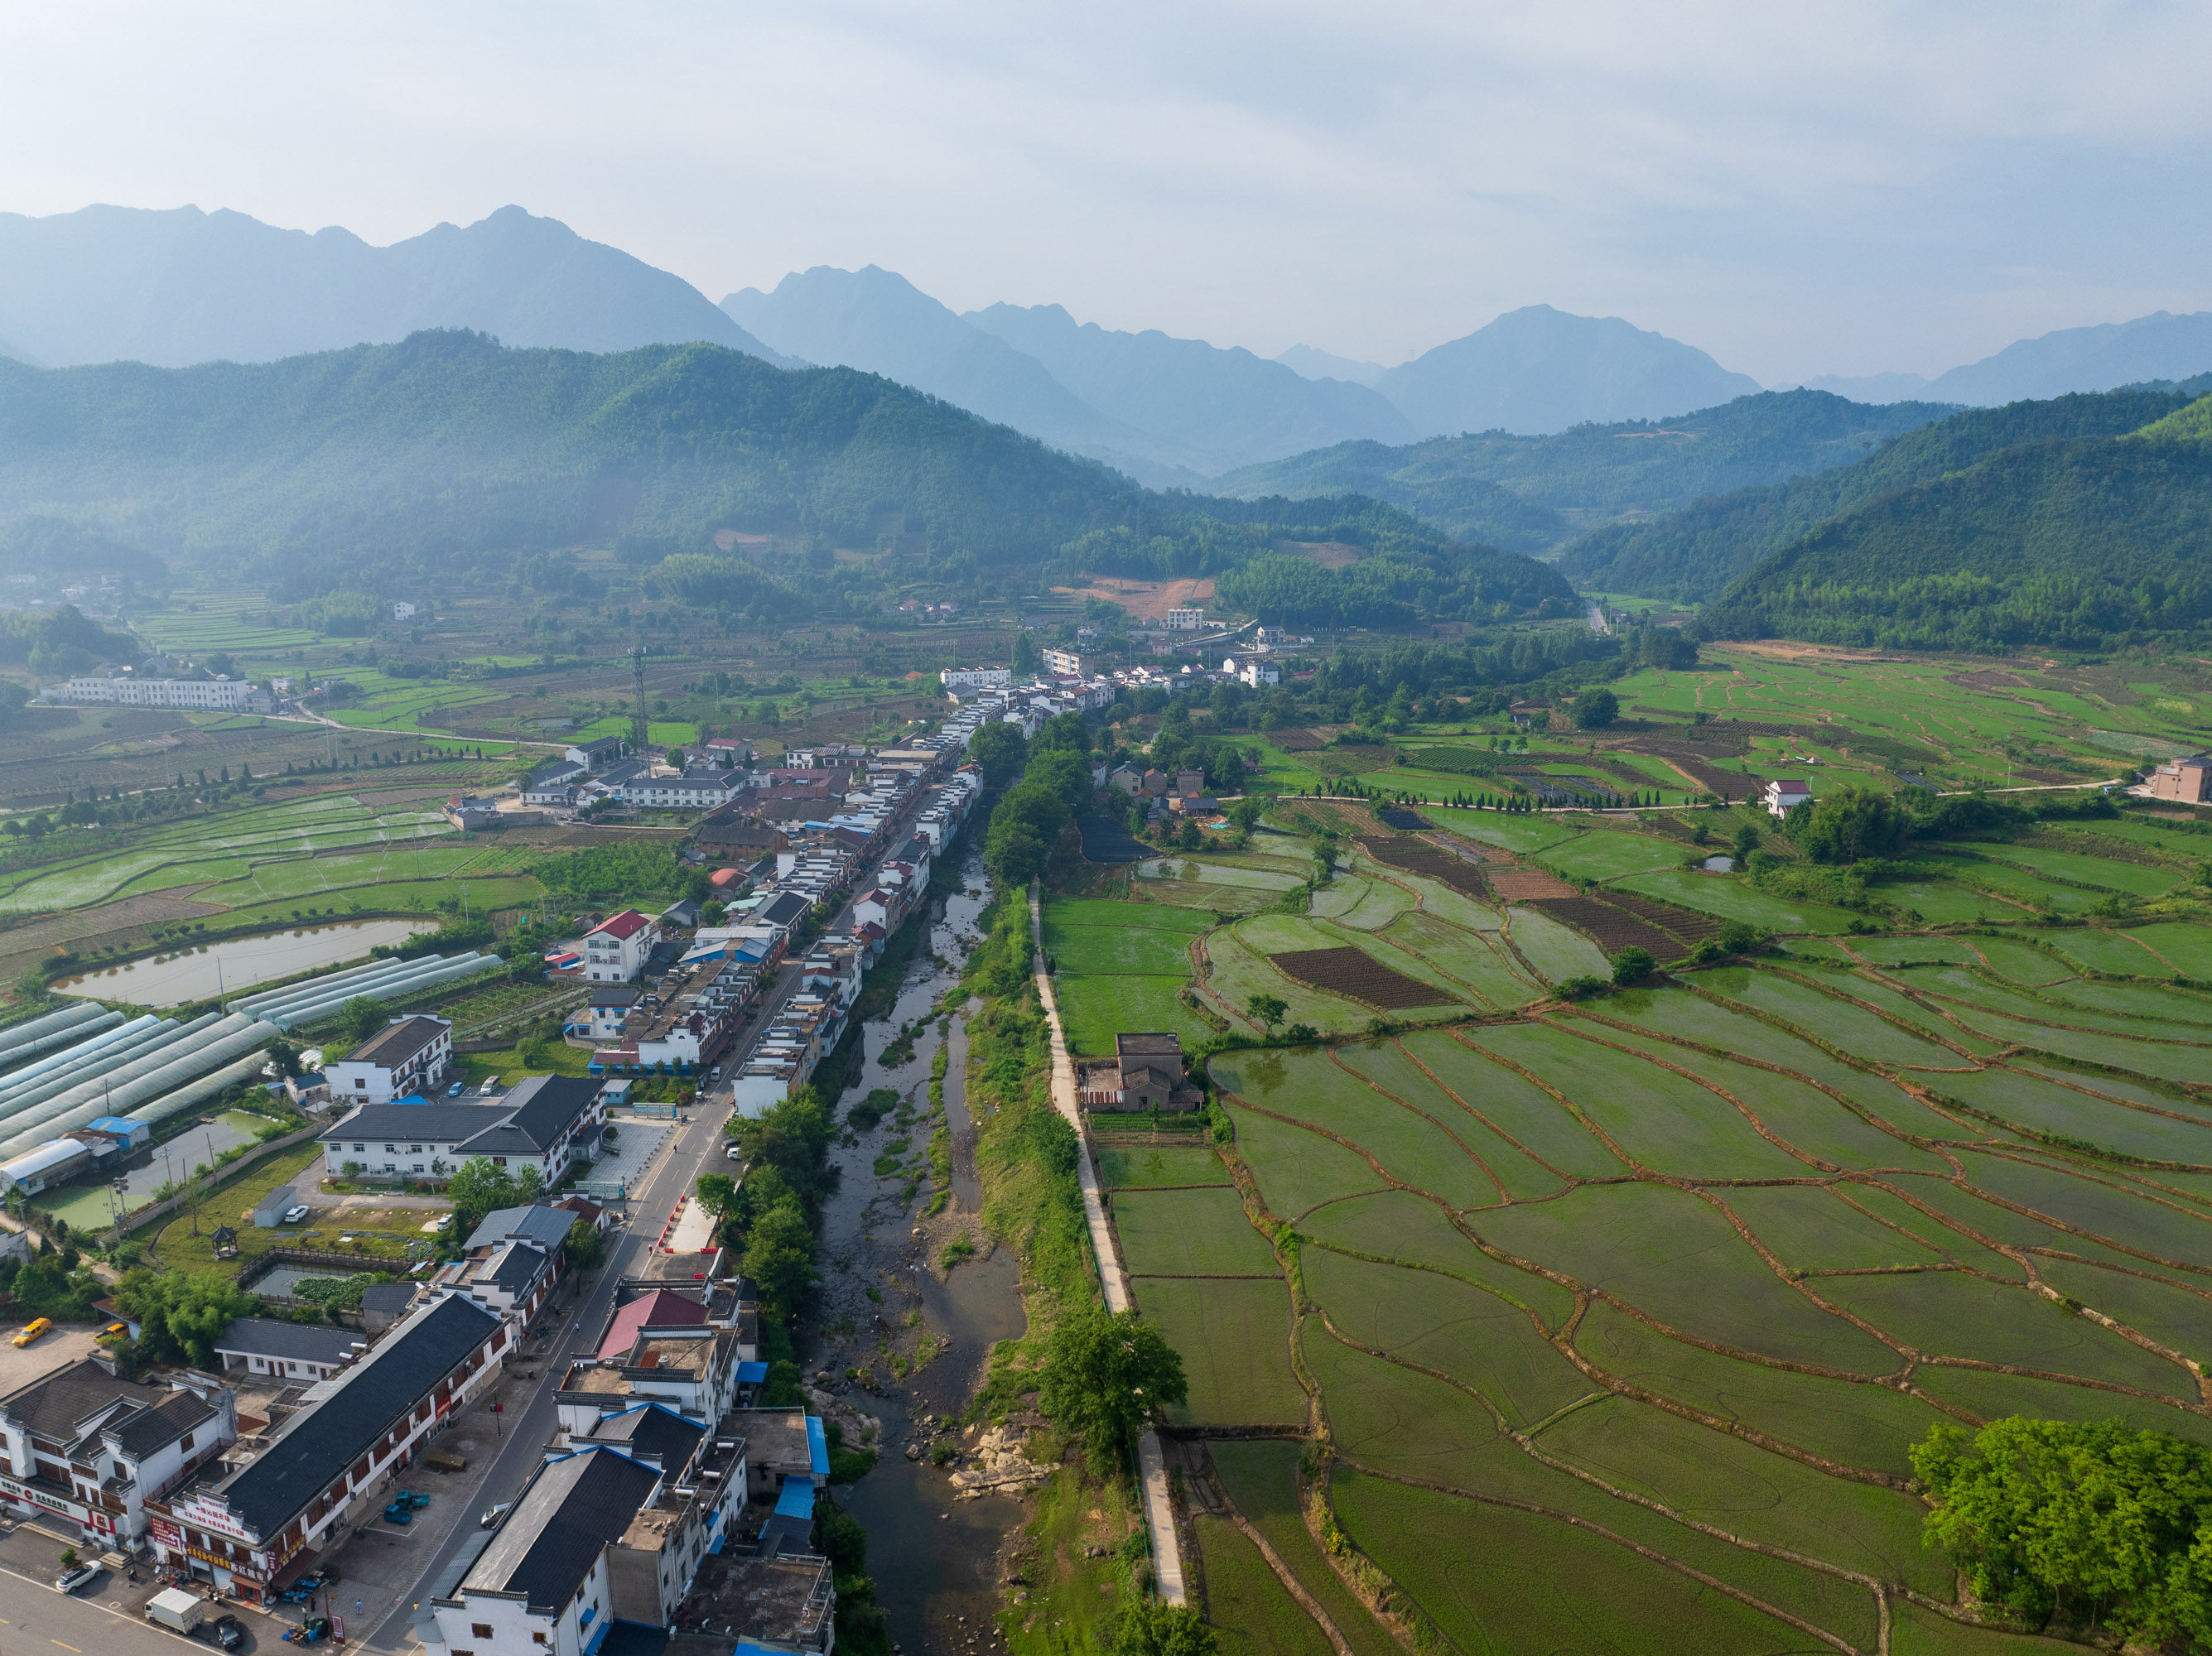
179, 286
1168, 411
1317, 364
2104, 357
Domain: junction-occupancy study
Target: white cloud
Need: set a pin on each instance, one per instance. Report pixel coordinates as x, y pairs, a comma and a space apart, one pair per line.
1796, 190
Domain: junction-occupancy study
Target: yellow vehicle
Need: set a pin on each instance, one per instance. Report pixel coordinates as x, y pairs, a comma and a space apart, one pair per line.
35, 1330
113, 1329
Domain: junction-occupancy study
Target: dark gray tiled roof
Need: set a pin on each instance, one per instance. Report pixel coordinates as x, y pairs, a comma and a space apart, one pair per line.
61, 1407
545, 1106
319, 1443
396, 1043
443, 1124
265, 1337
536, 1223
652, 1433
149, 1429
570, 1511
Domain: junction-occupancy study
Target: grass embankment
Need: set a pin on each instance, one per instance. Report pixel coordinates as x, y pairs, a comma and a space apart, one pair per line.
1026, 1158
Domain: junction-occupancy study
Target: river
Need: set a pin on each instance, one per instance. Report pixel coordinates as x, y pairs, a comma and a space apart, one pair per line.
934, 1560
202, 971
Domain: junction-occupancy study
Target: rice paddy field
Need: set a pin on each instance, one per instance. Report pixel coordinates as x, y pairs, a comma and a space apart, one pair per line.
1609, 1324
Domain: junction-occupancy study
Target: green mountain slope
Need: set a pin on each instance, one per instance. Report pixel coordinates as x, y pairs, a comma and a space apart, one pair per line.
1695, 553
446, 452
1513, 491
2078, 541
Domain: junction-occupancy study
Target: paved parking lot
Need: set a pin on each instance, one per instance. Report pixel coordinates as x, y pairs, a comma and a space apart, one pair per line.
70, 1343
637, 1142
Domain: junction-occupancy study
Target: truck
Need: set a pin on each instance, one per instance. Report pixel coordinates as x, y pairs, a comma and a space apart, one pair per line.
446, 1461
176, 1609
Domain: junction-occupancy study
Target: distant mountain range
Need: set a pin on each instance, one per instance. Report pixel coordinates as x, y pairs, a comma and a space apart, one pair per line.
171, 289
2161, 346
1529, 493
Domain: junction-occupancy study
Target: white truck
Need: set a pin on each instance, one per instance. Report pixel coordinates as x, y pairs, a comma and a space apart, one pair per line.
176, 1609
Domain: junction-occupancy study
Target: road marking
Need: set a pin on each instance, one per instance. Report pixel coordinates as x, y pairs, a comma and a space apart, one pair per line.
57, 1642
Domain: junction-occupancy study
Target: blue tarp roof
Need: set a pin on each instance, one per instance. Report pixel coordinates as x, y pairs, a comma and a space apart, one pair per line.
797, 1499
752, 1373
817, 1446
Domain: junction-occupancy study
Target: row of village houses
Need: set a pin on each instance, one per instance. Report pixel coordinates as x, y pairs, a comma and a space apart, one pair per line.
665, 1500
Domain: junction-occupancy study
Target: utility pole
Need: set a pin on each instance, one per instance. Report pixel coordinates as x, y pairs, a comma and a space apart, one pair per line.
641, 732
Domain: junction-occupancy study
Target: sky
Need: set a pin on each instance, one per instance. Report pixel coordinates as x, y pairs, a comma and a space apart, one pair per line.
1798, 189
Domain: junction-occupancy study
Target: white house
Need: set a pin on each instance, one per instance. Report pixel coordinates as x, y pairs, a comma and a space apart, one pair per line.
1186, 621
1781, 794
218, 695
402, 610
977, 678
80, 1446
407, 1053
700, 787
1256, 673
545, 1123
615, 950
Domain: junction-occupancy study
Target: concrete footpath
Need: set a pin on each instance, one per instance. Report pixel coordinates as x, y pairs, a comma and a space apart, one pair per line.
1152, 1465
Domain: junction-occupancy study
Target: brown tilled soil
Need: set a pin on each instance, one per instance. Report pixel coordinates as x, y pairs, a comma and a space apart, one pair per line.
1294, 740
1356, 974
1611, 928
1692, 927
1520, 885
1430, 863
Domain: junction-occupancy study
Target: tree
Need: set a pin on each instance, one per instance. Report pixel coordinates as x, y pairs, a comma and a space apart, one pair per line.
1745, 841
718, 1193
2101, 1522
1595, 708
999, 752
1269, 1009
1013, 853
478, 1188
1065, 730
1146, 1627
1632, 965
1850, 824
779, 1256
361, 1018
583, 1247
180, 1317
1104, 1376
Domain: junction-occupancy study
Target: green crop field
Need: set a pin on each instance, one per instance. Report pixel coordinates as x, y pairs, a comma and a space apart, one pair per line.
1719, 1249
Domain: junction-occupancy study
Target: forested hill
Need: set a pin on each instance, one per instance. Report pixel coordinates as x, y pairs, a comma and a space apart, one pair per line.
380, 464
2074, 540
1512, 491
1694, 553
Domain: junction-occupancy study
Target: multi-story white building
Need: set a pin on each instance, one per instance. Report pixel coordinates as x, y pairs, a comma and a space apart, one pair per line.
977, 678
703, 787
217, 694
83, 1448
406, 1054
544, 1123
1186, 621
615, 950
323, 1474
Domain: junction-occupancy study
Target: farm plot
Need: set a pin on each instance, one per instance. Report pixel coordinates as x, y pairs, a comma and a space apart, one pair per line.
1468, 960
1117, 949
1096, 1009
2105, 873
1611, 928
1191, 1233
1553, 950
1250, 1612
1164, 1166
1607, 855
1260, 1477
1357, 975
1235, 1339
1431, 862
1731, 898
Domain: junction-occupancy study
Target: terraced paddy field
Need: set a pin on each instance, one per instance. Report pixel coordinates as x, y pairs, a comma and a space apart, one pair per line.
1610, 1326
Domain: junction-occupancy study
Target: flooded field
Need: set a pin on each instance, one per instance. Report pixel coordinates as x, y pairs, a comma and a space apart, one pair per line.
237, 964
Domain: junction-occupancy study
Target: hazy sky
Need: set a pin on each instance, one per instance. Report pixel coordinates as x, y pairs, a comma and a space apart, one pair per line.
1797, 189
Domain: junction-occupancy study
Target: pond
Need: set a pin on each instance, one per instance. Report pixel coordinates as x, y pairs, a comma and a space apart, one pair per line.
237, 964
1720, 864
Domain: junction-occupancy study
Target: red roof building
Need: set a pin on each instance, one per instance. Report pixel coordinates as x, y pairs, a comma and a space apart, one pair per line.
659, 1309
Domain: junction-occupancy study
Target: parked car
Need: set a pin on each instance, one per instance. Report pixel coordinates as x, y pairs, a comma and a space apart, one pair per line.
732, 1153
77, 1580
293, 1216
228, 1632
35, 1330
457, 1090
112, 1330
493, 1514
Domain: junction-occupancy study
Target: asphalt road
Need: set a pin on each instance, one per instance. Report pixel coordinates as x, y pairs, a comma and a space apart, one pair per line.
40, 1621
